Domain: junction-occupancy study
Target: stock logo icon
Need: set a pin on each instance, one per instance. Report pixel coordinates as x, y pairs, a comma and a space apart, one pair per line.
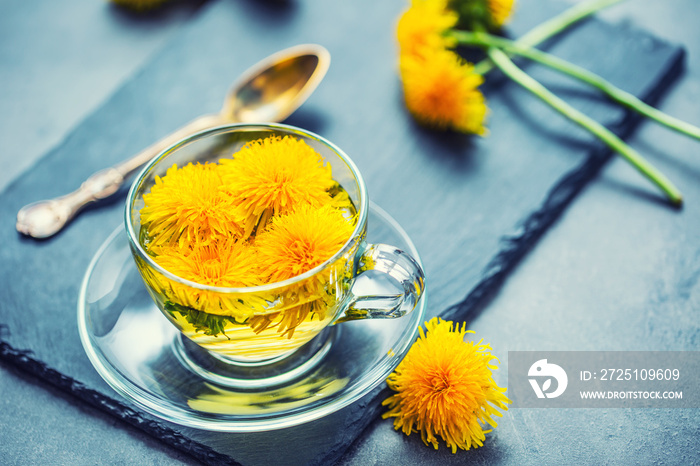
546, 372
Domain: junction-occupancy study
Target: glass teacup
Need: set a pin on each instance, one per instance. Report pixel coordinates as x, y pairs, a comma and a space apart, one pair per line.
263, 324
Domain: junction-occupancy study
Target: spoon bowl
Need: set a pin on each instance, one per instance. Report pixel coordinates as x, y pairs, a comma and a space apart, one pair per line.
275, 87
269, 91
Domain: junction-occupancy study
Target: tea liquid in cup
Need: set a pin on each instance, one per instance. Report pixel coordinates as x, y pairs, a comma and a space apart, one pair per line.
251, 241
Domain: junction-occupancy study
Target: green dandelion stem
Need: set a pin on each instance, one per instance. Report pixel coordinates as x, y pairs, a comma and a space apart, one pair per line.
560, 22
503, 62
624, 98
552, 27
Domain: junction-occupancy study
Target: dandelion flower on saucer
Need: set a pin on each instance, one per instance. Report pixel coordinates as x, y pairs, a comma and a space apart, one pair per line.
445, 388
300, 240
421, 27
273, 175
441, 91
187, 206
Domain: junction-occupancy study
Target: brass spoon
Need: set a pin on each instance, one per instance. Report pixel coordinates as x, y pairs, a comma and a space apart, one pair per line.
268, 92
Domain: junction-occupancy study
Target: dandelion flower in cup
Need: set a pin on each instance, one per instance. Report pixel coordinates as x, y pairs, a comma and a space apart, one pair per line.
273, 175
441, 91
445, 388
226, 263
421, 27
293, 244
300, 240
187, 206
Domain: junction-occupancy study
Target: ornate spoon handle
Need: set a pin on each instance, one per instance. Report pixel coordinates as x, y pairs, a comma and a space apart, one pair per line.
46, 218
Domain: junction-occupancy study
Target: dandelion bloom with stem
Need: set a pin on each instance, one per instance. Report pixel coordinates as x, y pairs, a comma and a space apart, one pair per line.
187, 206
445, 388
422, 26
273, 175
441, 91
301, 240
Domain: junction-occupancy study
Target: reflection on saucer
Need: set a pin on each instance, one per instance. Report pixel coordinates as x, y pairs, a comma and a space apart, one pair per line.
219, 400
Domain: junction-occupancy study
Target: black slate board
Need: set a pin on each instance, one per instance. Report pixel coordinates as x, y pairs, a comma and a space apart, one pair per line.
457, 197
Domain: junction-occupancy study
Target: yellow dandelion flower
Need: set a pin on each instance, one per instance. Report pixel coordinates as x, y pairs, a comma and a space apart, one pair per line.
500, 11
421, 27
227, 263
445, 388
441, 91
301, 240
272, 176
187, 206
295, 243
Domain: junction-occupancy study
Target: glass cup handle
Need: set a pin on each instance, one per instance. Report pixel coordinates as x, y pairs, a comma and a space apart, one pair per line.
388, 283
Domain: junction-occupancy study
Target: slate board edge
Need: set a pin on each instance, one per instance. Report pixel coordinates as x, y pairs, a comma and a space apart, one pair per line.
556, 201
514, 249
24, 360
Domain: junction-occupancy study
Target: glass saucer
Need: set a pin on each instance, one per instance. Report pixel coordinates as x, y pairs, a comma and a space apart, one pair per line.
139, 353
